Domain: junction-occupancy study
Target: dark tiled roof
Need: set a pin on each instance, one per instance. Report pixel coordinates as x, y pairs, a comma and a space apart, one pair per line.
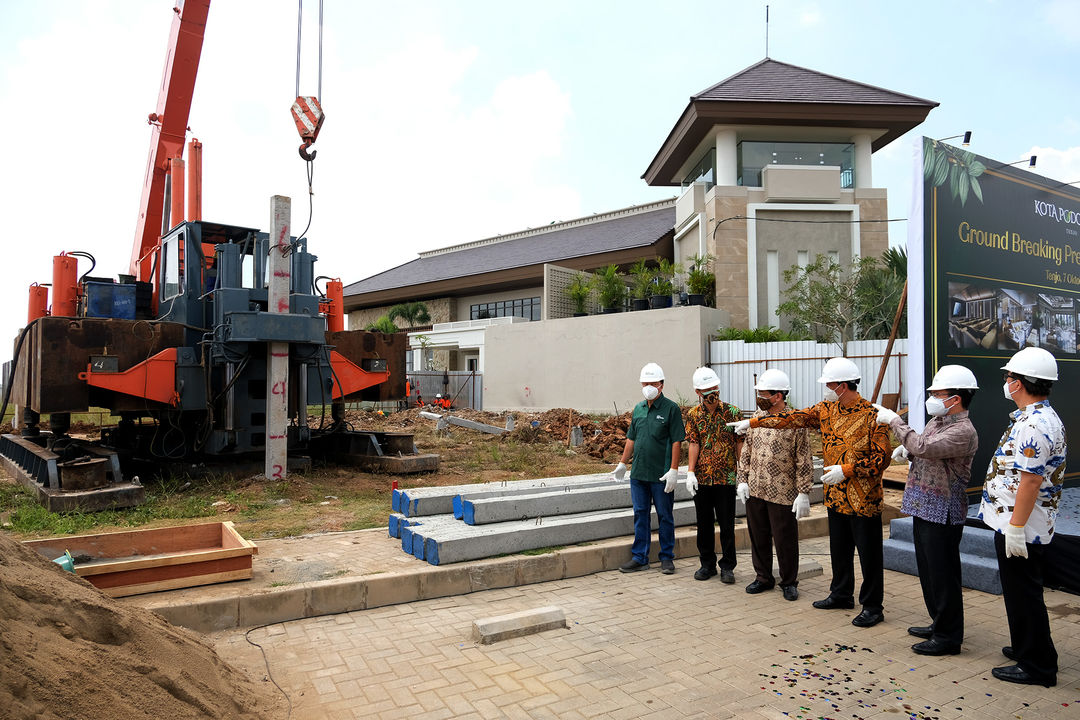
774, 81
619, 233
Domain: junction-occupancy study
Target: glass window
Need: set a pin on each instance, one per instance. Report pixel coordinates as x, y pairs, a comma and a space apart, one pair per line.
528, 308
172, 277
704, 171
752, 158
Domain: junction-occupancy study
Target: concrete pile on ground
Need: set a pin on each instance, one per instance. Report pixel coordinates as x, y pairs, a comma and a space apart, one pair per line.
469, 522
68, 651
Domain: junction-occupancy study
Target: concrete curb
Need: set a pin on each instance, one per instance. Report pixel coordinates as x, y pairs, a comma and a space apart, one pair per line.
426, 582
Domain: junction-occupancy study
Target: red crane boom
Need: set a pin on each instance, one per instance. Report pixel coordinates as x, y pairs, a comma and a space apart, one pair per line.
169, 125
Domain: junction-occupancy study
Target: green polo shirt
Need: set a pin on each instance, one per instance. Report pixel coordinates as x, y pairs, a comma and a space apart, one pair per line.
654, 430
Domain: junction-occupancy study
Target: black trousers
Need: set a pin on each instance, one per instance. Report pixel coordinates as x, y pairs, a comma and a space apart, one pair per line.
937, 555
716, 503
1029, 625
770, 523
846, 534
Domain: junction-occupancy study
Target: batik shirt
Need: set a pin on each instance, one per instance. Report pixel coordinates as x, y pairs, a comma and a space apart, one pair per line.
776, 464
937, 481
1034, 442
851, 438
716, 443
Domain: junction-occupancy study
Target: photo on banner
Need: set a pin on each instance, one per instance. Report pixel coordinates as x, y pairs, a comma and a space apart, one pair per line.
994, 267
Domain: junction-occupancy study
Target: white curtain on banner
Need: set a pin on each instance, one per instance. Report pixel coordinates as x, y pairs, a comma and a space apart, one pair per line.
915, 378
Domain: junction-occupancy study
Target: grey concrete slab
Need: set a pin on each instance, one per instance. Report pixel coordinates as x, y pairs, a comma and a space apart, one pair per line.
517, 624
604, 480
568, 501
413, 502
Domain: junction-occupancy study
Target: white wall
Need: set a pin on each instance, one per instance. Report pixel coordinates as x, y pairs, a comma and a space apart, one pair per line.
592, 363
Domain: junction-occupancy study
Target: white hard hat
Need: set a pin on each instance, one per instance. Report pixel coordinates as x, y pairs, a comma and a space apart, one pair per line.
839, 369
705, 378
651, 373
954, 377
773, 380
1033, 362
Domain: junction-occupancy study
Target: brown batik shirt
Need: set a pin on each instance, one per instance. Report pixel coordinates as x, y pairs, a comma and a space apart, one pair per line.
851, 438
777, 464
716, 442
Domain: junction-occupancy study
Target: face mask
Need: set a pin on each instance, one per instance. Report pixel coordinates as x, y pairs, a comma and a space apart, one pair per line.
764, 403
935, 406
1005, 388
650, 392
830, 395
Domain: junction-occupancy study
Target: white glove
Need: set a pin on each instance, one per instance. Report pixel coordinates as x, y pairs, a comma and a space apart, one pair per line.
1015, 542
900, 453
832, 475
801, 506
742, 492
620, 471
670, 478
691, 483
884, 414
740, 426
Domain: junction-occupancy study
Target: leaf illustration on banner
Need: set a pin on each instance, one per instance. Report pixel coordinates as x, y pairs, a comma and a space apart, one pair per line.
960, 168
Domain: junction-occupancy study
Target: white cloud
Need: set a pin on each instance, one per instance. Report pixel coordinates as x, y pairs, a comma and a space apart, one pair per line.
810, 15
1061, 165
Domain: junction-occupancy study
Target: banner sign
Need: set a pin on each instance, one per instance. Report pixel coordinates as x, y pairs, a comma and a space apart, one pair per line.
999, 257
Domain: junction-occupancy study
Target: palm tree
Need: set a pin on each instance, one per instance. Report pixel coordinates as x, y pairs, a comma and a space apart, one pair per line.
383, 324
413, 313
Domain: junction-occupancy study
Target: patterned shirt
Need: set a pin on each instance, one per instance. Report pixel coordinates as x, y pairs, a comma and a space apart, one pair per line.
716, 454
937, 481
777, 464
851, 438
1034, 442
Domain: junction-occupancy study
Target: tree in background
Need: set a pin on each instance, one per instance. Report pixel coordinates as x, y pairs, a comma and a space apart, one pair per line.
834, 304
413, 313
383, 324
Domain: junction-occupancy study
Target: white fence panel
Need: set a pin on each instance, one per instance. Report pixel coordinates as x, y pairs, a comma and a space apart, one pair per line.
738, 364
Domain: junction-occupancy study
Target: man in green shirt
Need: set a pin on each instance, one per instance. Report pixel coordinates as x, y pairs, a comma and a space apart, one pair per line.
653, 440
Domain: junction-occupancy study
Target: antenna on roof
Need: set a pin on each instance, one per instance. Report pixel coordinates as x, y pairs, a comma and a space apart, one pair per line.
766, 32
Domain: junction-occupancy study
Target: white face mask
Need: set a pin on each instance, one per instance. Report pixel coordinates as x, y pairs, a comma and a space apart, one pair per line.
830, 395
935, 406
650, 392
1005, 388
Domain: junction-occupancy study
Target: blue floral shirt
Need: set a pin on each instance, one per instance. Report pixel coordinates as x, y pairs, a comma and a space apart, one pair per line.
1035, 443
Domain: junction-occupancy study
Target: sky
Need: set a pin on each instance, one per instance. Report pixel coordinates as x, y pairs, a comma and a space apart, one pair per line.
455, 120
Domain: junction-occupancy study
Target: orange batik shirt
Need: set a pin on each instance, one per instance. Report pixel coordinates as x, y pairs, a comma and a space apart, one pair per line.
851, 438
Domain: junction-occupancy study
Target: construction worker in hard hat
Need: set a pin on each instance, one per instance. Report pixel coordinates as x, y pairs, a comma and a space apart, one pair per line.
1020, 503
936, 497
653, 440
776, 471
713, 454
857, 451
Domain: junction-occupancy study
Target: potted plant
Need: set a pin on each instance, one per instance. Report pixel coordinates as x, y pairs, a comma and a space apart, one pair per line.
641, 277
700, 281
663, 284
578, 291
611, 289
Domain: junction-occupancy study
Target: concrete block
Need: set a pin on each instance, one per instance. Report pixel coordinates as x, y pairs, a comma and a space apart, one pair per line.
445, 582
517, 624
550, 485
539, 568
392, 589
204, 616
279, 605
440, 500
337, 595
491, 574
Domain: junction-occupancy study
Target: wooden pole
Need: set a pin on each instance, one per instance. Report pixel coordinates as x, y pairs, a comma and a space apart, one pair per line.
888, 346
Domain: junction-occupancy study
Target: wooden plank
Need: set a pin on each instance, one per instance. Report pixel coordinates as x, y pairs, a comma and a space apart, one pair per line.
192, 573
157, 541
230, 538
175, 584
104, 567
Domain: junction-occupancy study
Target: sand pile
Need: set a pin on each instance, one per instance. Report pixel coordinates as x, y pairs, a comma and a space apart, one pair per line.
68, 651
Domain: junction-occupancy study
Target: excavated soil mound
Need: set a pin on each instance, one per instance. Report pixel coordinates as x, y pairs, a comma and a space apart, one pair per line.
69, 652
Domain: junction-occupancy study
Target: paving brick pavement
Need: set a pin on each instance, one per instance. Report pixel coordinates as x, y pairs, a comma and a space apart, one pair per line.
646, 645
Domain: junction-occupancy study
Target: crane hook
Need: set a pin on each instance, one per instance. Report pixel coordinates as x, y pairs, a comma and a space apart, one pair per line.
308, 115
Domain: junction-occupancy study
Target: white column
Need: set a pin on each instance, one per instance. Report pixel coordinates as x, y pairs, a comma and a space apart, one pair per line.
727, 170
277, 360
863, 176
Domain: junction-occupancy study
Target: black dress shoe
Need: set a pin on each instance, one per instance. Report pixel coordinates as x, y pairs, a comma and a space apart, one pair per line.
758, 587
1016, 674
667, 567
727, 577
1008, 652
831, 603
633, 566
933, 647
790, 592
704, 573
923, 631
867, 619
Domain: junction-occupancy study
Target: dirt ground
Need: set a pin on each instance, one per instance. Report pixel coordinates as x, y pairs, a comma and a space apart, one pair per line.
70, 652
